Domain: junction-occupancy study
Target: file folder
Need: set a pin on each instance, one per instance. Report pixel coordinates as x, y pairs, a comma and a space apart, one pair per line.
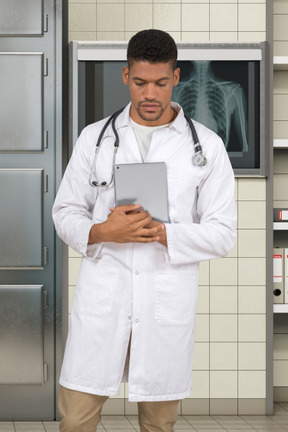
278, 279
285, 275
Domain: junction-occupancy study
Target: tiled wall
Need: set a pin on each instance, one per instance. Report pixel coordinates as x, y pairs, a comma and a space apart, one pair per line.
230, 352
281, 188
185, 20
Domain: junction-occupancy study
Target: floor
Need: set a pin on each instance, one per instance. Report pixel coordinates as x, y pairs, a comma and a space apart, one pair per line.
276, 423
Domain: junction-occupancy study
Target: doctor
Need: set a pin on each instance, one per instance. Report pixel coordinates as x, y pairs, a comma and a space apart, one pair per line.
133, 315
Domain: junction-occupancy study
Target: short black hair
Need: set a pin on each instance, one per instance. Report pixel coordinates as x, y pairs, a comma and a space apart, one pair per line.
153, 46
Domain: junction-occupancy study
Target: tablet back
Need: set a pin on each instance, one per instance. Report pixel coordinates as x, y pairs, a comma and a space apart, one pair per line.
145, 184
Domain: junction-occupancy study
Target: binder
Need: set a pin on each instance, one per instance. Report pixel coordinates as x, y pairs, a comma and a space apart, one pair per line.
278, 279
285, 275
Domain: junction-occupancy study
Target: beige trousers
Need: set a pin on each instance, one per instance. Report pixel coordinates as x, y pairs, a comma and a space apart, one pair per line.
80, 412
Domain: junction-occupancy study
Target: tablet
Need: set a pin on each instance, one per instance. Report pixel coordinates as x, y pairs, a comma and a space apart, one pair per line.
145, 184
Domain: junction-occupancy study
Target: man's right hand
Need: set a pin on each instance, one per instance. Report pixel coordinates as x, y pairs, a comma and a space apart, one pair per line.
125, 224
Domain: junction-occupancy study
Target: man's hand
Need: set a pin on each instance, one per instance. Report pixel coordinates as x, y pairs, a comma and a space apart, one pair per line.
162, 233
126, 224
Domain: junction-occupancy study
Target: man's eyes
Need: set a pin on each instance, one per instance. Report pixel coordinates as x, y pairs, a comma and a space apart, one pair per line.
141, 84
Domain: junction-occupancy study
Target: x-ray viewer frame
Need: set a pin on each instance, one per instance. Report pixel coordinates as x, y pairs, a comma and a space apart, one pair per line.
88, 102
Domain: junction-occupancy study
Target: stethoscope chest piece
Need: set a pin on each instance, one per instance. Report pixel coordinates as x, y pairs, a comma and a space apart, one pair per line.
199, 159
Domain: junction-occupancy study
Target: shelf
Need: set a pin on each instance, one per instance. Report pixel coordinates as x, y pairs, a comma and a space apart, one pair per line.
280, 226
280, 63
280, 143
280, 308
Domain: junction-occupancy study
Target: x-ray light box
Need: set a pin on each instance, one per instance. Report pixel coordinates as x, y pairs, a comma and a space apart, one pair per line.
221, 85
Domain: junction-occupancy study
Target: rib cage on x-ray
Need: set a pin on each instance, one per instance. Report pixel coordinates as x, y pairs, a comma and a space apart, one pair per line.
214, 102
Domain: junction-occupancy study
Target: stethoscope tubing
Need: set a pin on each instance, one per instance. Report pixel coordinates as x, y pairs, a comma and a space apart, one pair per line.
198, 158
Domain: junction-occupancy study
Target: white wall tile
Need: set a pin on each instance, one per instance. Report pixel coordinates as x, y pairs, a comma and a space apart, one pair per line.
195, 17
245, 36
223, 17
196, 1
195, 36
72, 253
251, 1
223, 1
223, 384
110, 17
251, 189
204, 273
252, 17
252, 271
252, 328
111, 36
201, 356
234, 251
74, 267
202, 328
82, 36
223, 271
167, 1
223, 299
167, 17
200, 384
252, 384
82, 1
223, 356
203, 300
223, 328
136, 1
252, 243
252, 215
252, 356
138, 17
218, 36
82, 17
252, 299
71, 293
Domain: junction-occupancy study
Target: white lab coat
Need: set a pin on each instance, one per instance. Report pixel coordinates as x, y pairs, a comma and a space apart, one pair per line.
147, 291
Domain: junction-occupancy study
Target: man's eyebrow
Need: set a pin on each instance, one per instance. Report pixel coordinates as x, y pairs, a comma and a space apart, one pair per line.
160, 79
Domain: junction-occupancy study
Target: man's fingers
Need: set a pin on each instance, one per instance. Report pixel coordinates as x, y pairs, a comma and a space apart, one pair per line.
126, 208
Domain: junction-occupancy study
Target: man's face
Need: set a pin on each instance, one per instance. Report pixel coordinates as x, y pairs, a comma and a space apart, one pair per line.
151, 86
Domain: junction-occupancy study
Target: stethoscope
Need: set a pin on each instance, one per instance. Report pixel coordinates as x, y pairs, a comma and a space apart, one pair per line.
198, 158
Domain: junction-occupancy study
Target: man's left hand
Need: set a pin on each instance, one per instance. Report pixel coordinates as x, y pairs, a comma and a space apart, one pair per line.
161, 233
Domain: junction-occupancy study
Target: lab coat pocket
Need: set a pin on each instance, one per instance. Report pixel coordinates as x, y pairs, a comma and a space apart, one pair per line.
175, 297
95, 289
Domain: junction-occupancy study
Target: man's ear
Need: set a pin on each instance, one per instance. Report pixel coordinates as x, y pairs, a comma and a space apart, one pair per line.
176, 76
125, 75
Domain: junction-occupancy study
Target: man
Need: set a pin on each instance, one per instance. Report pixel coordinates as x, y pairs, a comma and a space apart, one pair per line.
133, 314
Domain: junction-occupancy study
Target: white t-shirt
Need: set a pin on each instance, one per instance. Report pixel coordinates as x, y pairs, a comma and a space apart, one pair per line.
143, 136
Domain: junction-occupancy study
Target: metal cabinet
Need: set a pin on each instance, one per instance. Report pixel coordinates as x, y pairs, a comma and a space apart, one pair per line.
31, 137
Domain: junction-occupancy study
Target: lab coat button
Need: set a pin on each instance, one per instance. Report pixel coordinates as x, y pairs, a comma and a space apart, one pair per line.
129, 317
136, 320
137, 272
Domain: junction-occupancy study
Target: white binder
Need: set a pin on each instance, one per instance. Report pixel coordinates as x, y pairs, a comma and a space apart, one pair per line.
278, 279
285, 275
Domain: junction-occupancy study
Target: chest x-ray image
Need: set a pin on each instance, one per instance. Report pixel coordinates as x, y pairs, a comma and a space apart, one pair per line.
215, 97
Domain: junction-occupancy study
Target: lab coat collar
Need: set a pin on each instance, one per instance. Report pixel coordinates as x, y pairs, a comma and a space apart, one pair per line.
178, 124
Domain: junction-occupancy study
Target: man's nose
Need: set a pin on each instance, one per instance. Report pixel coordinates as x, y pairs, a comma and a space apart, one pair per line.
150, 92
